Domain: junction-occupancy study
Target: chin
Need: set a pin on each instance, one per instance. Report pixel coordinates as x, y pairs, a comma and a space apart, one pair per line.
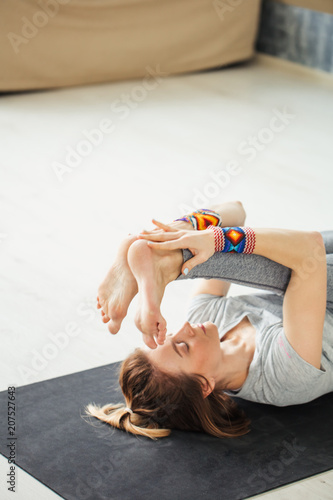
211, 328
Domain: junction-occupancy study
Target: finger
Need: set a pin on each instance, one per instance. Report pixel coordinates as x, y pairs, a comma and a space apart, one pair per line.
161, 225
153, 231
161, 236
156, 229
191, 263
168, 245
158, 238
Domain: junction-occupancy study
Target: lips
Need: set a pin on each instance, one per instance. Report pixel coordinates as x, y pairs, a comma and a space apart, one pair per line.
203, 328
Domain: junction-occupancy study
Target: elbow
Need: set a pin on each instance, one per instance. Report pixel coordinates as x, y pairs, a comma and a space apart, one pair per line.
315, 247
310, 252
318, 238
320, 249
315, 240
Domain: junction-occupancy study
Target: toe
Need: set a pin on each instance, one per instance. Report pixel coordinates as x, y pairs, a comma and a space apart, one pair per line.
105, 318
149, 341
116, 313
162, 325
161, 331
98, 304
161, 337
114, 326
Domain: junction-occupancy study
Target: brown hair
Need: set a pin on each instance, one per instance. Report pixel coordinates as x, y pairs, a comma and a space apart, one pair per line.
161, 401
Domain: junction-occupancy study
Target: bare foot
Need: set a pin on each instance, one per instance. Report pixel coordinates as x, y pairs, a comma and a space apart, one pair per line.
119, 286
153, 270
118, 289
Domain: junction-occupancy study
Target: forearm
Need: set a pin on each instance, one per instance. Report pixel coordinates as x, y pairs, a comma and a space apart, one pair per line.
277, 252
289, 247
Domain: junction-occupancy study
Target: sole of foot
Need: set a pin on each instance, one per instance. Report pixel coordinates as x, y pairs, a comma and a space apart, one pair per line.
153, 270
117, 289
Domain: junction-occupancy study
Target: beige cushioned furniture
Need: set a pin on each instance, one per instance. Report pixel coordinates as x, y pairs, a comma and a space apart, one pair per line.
57, 43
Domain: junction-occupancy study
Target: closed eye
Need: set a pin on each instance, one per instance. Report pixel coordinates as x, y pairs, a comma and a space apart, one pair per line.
184, 344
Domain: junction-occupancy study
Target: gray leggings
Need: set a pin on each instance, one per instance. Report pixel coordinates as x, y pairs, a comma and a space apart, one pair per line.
257, 271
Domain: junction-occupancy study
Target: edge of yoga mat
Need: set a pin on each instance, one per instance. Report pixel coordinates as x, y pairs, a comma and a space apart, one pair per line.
81, 461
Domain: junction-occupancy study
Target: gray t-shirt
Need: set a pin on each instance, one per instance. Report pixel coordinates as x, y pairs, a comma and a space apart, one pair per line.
277, 374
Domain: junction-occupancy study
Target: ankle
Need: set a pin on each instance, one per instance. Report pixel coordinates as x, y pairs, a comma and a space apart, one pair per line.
170, 265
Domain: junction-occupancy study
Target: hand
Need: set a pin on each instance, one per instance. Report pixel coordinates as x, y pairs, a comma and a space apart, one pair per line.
200, 243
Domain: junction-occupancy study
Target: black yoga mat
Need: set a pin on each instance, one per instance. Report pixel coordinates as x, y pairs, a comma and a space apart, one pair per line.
82, 461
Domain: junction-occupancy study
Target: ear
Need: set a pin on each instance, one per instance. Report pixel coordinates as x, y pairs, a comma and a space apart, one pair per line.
207, 389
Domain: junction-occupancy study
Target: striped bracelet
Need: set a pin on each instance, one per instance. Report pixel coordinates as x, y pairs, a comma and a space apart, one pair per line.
234, 239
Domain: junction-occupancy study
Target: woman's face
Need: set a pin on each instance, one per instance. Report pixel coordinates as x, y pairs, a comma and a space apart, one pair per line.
195, 348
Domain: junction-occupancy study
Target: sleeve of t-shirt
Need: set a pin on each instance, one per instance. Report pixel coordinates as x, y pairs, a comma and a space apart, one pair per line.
287, 378
203, 307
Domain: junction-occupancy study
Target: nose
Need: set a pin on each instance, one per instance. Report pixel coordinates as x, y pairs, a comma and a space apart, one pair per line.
184, 332
187, 329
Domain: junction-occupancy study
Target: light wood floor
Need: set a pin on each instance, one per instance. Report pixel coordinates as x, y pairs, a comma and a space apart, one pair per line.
58, 238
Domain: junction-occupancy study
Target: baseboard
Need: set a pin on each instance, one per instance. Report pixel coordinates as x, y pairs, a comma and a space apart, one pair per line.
296, 34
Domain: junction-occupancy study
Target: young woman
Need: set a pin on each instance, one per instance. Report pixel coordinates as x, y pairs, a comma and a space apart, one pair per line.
273, 348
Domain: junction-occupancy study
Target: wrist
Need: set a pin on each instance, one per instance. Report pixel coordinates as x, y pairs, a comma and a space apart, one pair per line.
234, 239
202, 218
